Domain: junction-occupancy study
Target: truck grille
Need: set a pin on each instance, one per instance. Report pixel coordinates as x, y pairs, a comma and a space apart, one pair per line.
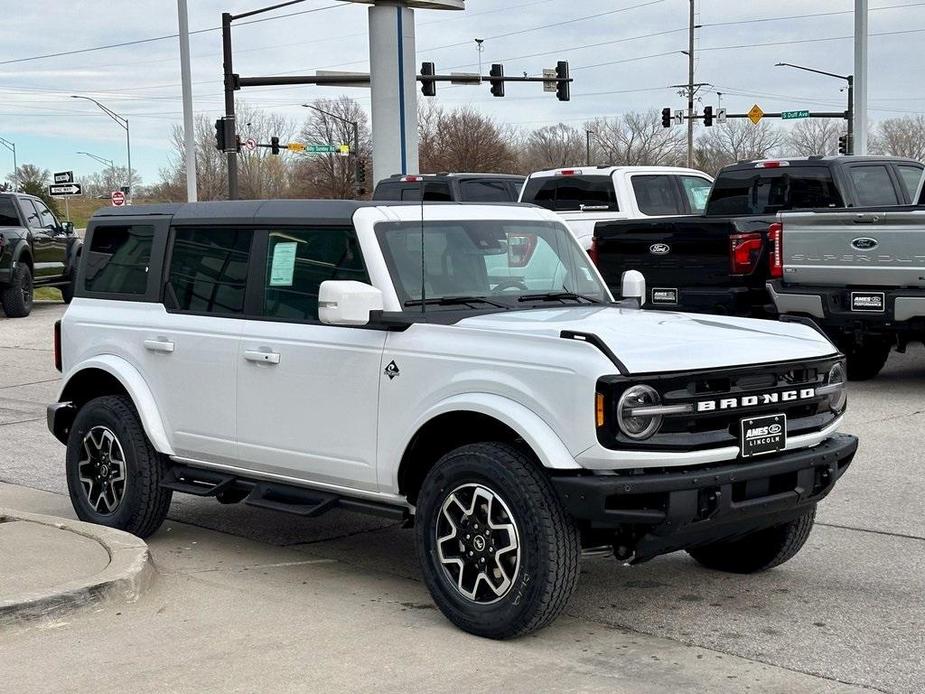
719, 400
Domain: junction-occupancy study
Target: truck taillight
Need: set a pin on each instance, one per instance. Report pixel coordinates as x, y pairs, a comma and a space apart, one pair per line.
776, 239
744, 252
593, 251
58, 365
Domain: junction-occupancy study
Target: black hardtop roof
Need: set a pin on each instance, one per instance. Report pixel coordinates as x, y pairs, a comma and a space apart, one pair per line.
818, 159
267, 211
449, 174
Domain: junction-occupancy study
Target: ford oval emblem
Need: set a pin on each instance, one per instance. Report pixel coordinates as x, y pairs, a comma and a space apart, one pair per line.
659, 249
864, 243
775, 429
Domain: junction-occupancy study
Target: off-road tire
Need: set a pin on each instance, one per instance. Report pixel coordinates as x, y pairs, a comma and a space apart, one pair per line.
17, 297
67, 290
549, 541
866, 361
144, 503
757, 551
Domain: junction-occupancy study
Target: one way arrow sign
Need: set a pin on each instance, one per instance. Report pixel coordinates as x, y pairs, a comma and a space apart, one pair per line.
66, 189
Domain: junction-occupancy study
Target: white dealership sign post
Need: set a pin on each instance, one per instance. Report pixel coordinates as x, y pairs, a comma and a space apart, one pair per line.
393, 82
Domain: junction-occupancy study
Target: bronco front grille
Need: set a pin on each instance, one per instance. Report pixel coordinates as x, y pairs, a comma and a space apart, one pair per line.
719, 400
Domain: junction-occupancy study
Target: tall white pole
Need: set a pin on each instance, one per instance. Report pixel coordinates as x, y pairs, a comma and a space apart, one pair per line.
860, 76
189, 134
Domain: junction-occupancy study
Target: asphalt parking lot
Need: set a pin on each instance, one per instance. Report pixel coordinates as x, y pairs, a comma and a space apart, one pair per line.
848, 612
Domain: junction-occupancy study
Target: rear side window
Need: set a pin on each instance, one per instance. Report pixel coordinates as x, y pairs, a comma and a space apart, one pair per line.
911, 177
697, 191
118, 259
486, 190
8, 215
571, 193
299, 261
208, 270
873, 185
769, 191
33, 219
656, 195
387, 191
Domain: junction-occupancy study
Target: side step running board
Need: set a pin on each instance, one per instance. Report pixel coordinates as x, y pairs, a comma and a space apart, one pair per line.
198, 482
307, 503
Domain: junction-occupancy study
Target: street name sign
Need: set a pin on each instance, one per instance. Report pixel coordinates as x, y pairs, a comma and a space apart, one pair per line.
793, 115
755, 114
64, 177
321, 149
64, 189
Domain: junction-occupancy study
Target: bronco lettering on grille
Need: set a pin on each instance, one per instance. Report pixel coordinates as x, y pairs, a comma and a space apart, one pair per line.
756, 400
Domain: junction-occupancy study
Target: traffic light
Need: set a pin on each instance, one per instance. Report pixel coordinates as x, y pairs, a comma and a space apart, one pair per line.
564, 87
361, 173
666, 117
223, 136
496, 77
843, 144
708, 116
274, 145
428, 86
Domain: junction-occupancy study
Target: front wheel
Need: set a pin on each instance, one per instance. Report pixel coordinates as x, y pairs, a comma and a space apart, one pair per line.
498, 551
757, 551
113, 471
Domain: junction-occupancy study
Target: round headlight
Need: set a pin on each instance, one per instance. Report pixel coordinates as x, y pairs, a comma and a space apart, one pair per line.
638, 426
838, 398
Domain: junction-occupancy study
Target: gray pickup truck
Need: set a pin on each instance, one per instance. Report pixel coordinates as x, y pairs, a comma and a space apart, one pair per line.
860, 275
36, 250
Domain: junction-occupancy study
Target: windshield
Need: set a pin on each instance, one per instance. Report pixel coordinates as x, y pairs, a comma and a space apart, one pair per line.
506, 262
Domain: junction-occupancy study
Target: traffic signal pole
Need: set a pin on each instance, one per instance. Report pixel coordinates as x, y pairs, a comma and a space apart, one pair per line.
690, 91
231, 154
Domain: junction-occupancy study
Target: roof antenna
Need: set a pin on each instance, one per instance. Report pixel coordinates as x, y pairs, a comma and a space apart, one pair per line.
423, 276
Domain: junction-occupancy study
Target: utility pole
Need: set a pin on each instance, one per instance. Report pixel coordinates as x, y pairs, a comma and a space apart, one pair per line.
588, 134
12, 147
859, 141
690, 91
189, 136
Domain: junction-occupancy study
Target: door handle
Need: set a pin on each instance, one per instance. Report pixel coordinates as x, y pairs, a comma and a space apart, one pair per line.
259, 357
164, 346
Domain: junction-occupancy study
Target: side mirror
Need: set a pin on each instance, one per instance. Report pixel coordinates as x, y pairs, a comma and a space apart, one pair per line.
347, 302
634, 286
68, 227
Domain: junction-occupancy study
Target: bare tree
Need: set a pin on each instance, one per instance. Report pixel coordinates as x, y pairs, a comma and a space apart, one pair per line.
636, 139
553, 147
464, 140
106, 180
901, 137
735, 141
815, 136
330, 175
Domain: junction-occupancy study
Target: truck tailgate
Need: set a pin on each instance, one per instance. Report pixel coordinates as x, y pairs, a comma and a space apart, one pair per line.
686, 251
859, 248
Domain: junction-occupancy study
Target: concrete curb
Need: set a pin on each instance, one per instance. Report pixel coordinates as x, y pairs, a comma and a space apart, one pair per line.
129, 573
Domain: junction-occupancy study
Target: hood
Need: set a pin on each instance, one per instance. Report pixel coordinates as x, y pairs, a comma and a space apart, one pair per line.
661, 341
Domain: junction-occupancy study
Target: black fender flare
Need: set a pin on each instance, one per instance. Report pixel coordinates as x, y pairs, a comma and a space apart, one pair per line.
73, 254
22, 252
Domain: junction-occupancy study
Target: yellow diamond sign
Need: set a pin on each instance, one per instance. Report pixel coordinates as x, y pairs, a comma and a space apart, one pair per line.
756, 114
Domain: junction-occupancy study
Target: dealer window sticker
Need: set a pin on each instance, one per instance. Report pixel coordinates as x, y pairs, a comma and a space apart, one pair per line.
282, 268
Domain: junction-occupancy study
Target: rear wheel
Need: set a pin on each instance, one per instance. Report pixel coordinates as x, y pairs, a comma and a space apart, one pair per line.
865, 361
113, 471
499, 553
758, 551
17, 297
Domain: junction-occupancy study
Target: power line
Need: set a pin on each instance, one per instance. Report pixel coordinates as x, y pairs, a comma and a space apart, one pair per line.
138, 42
806, 16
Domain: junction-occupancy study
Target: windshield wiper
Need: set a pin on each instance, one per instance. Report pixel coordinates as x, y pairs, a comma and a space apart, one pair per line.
560, 296
455, 301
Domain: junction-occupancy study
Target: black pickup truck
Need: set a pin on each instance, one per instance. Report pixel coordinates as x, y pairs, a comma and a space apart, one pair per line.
721, 261
36, 250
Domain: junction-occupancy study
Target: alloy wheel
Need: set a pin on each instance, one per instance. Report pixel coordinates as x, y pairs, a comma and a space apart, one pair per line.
478, 543
101, 470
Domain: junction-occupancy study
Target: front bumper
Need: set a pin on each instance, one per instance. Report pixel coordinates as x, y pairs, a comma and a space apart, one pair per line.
903, 310
668, 510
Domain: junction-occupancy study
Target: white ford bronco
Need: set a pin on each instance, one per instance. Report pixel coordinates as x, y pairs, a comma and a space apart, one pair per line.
462, 367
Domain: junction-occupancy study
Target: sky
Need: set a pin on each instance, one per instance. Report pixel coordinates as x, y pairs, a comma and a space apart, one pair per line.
624, 56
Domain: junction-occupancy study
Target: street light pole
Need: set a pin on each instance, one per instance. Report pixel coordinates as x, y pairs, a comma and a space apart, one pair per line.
588, 134
122, 121
356, 142
860, 74
189, 138
103, 160
850, 113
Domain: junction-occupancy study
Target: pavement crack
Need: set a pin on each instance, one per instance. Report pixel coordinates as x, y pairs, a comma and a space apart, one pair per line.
341, 537
895, 416
874, 532
21, 421
31, 383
